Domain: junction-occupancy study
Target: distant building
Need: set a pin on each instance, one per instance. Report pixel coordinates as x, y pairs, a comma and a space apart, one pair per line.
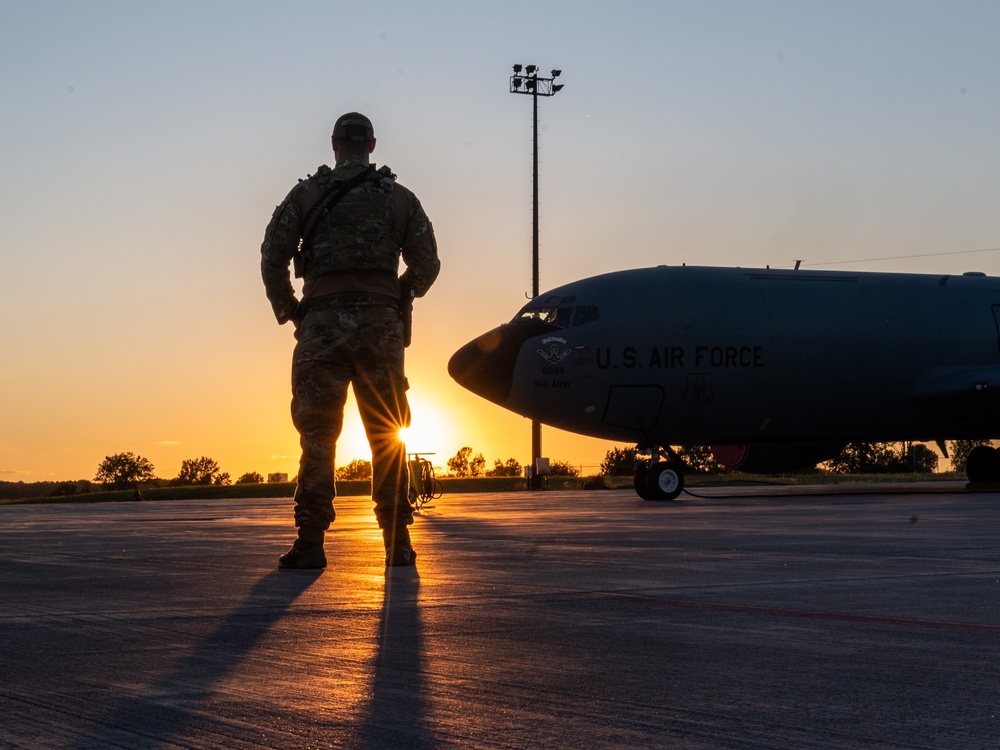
277, 478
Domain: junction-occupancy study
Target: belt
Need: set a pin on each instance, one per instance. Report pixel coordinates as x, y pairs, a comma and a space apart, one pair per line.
349, 300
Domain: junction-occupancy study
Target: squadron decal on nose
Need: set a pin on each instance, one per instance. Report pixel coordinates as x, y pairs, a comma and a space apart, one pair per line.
553, 351
553, 355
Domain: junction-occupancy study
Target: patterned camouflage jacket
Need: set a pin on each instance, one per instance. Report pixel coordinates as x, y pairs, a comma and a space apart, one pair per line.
365, 232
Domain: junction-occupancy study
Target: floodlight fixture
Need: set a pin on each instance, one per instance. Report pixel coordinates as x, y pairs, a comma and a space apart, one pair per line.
535, 86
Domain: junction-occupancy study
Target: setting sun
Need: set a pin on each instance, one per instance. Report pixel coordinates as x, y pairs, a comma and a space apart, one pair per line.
430, 430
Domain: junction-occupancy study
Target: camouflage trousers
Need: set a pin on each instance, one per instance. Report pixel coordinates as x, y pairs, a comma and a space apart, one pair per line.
361, 345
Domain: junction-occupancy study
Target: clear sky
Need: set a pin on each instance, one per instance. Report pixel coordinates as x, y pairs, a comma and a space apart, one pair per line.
145, 145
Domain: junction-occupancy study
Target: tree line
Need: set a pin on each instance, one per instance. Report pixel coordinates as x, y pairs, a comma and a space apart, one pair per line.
855, 458
128, 471
465, 464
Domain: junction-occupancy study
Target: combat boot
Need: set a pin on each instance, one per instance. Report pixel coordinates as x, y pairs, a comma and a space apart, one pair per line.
398, 550
307, 551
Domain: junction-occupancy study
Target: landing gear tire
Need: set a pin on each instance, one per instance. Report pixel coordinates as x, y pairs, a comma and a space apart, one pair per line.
983, 465
639, 483
664, 481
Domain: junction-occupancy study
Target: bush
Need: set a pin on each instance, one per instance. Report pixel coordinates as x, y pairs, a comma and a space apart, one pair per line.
357, 469
699, 459
596, 482
124, 470
884, 458
510, 469
563, 469
202, 470
619, 462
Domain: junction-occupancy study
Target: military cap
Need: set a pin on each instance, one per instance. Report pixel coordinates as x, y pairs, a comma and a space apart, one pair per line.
354, 126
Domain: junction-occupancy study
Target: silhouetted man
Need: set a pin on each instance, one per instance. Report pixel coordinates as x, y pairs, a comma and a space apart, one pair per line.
345, 228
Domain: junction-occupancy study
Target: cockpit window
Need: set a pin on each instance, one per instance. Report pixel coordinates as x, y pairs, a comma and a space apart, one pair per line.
554, 316
562, 317
585, 314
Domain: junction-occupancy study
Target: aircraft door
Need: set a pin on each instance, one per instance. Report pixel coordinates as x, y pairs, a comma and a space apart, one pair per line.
635, 407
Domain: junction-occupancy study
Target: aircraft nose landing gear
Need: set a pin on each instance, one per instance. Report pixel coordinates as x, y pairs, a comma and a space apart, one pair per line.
657, 479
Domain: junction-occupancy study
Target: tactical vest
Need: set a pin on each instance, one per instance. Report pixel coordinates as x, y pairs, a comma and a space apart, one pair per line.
358, 233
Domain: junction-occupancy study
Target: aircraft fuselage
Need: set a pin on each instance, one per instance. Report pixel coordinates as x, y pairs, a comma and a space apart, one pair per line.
699, 355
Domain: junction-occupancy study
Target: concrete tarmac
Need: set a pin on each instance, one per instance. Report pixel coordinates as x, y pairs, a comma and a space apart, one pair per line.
742, 618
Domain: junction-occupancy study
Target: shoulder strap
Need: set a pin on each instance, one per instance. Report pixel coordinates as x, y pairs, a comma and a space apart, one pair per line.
330, 200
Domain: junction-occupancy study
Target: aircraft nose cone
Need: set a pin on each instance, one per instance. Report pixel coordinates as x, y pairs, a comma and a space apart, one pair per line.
486, 364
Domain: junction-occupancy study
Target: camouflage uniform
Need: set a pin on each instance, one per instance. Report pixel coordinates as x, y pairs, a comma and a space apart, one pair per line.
348, 325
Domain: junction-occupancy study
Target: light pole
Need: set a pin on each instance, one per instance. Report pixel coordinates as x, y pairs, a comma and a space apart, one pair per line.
526, 80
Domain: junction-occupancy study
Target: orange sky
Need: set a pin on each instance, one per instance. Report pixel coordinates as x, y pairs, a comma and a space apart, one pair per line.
146, 146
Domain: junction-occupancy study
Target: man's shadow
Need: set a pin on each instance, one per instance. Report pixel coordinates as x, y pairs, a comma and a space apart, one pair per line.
396, 716
151, 714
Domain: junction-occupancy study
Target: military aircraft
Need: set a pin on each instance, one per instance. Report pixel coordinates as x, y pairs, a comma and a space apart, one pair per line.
775, 369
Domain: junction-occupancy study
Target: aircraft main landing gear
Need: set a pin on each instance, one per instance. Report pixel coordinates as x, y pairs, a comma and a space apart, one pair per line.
983, 465
659, 480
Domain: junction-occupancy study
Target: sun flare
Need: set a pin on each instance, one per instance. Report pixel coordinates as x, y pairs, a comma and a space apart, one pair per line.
430, 430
